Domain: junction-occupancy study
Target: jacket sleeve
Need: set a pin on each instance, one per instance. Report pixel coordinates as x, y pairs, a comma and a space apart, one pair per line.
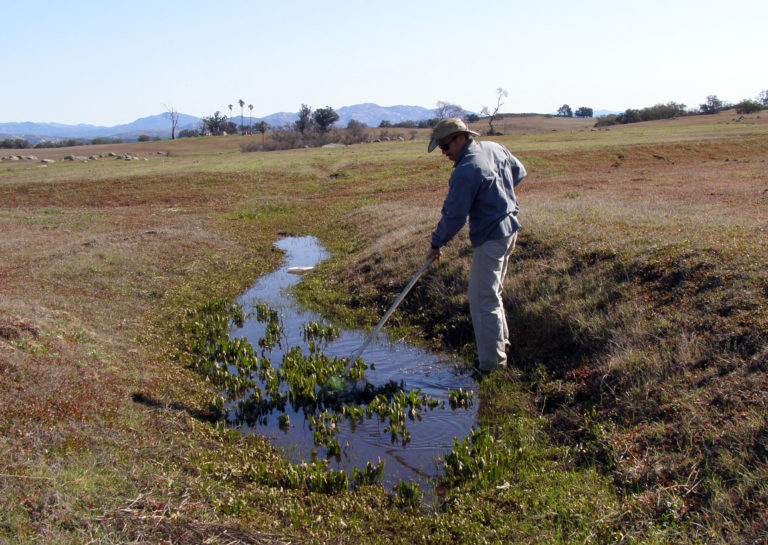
458, 201
518, 170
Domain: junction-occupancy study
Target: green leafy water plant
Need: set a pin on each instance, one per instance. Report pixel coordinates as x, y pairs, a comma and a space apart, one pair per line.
460, 398
260, 389
409, 493
269, 316
284, 421
368, 476
227, 363
317, 333
477, 458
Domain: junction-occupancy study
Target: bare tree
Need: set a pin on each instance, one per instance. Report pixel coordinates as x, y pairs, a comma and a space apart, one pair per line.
446, 109
501, 94
173, 116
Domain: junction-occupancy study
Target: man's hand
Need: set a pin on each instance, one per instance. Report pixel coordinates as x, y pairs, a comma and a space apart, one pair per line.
437, 253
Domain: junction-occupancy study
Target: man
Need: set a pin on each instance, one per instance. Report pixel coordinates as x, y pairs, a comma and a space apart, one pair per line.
482, 187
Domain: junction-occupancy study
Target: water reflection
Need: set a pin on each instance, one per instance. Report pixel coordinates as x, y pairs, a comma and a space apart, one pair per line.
431, 437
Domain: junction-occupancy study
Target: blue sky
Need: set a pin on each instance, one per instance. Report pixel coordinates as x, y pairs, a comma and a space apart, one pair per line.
111, 62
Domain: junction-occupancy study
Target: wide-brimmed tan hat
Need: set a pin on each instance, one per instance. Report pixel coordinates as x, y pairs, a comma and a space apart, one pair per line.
445, 128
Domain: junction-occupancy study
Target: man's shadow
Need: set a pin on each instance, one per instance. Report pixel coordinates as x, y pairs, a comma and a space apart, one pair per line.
204, 416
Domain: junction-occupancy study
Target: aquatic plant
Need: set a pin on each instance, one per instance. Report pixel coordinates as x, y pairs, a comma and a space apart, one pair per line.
227, 363
460, 398
321, 332
369, 475
409, 493
476, 458
284, 421
261, 389
274, 331
328, 481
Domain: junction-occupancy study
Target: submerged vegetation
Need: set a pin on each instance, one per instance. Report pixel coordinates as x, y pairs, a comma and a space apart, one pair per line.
634, 411
258, 389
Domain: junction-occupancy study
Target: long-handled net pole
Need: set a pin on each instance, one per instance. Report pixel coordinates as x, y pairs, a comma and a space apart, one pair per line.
353, 358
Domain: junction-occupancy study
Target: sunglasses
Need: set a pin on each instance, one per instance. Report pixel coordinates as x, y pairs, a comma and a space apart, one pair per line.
447, 144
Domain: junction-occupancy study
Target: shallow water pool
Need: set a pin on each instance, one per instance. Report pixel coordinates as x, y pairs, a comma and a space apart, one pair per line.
430, 437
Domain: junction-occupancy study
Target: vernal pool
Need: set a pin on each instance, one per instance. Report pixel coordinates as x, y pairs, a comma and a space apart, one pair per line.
430, 434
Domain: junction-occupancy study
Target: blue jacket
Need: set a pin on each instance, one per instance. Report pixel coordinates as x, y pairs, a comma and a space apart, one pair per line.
482, 186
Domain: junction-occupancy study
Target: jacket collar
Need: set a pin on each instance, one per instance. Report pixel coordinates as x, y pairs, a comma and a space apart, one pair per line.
463, 152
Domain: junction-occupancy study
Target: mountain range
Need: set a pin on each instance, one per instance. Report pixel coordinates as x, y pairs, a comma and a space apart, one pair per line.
159, 125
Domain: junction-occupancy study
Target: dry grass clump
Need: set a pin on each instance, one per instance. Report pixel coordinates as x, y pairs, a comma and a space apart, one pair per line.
652, 323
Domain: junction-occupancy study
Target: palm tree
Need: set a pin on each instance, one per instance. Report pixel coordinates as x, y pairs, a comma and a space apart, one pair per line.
241, 102
250, 119
262, 128
230, 111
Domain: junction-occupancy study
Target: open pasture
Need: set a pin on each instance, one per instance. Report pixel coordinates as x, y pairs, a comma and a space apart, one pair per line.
635, 412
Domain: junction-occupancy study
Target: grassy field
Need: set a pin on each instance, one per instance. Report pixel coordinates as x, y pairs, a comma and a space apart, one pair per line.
635, 411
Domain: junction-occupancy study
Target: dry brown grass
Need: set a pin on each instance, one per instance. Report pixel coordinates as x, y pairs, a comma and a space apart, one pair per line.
86, 268
638, 298
97, 261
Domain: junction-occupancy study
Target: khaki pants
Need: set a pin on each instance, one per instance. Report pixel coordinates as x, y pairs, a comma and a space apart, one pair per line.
486, 280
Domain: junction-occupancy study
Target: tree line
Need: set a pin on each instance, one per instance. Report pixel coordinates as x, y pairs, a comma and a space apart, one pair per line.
309, 120
711, 105
23, 143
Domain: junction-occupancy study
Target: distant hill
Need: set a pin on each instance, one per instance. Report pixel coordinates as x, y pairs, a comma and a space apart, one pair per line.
155, 125
159, 126
373, 114
601, 113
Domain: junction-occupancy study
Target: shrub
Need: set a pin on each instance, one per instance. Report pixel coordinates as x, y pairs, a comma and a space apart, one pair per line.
144, 138
44, 144
651, 113
748, 106
712, 105
15, 143
63, 143
607, 120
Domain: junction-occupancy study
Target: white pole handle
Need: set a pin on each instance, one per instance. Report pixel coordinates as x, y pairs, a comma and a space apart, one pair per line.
389, 312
